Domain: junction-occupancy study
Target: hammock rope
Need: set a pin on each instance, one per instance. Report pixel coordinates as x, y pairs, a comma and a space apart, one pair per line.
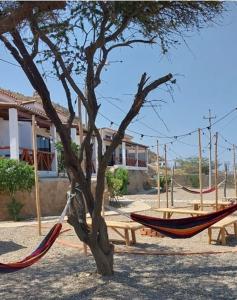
42, 248
209, 190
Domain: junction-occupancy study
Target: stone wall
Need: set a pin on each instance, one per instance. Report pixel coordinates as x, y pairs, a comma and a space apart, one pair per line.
52, 199
138, 181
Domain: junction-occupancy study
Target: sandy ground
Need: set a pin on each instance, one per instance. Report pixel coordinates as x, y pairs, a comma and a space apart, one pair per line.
65, 273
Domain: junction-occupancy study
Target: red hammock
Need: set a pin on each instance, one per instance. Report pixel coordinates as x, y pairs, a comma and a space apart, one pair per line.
40, 251
212, 189
184, 227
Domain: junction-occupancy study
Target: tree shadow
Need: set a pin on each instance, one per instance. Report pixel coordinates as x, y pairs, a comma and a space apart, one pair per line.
9, 246
136, 277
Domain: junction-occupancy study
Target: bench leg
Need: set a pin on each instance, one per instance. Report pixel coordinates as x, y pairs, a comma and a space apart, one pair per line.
133, 236
235, 229
223, 240
209, 235
196, 206
126, 236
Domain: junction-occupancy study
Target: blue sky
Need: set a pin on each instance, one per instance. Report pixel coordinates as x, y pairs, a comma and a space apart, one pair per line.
206, 79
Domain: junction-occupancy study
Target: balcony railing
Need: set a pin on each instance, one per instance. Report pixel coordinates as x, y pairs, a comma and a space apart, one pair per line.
44, 158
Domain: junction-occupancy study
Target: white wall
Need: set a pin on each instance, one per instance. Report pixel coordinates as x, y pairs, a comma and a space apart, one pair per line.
4, 133
25, 138
4, 137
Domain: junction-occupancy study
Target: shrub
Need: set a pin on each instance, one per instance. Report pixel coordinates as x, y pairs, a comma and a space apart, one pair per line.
60, 155
162, 182
194, 180
122, 174
15, 176
117, 182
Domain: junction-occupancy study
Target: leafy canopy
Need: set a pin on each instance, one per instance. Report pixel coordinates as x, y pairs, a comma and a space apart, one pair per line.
190, 165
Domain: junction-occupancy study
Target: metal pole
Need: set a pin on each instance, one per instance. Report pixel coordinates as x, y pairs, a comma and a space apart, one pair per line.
158, 171
166, 179
37, 198
216, 170
200, 167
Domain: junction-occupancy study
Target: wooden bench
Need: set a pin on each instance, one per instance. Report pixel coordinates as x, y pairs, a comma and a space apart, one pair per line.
168, 212
221, 225
221, 205
122, 229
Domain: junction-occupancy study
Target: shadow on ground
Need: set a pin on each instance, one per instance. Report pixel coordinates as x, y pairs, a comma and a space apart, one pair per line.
9, 246
136, 277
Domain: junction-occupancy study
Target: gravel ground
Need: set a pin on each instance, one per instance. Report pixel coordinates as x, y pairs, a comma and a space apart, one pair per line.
65, 273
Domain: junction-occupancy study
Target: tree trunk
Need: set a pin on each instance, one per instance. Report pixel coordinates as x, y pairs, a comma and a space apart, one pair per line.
95, 237
104, 260
102, 250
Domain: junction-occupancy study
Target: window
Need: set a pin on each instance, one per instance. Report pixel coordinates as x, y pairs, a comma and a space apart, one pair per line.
43, 143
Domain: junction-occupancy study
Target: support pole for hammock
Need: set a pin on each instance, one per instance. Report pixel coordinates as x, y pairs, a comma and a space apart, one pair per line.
37, 198
158, 171
225, 183
200, 167
234, 169
166, 178
216, 170
172, 187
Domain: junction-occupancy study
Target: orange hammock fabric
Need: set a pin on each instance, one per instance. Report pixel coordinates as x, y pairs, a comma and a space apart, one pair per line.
210, 190
40, 251
184, 227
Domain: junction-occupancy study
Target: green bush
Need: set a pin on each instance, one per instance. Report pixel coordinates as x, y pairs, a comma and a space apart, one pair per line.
15, 176
194, 180
122, 174
117, 182
14, 209
162, 182
60, 155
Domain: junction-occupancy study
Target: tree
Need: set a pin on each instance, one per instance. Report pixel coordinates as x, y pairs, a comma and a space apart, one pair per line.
190, 165
76, 42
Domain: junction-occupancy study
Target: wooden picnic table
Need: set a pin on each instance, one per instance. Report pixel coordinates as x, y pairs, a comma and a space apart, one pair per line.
122, 228
168, 212
222, 226
221, 205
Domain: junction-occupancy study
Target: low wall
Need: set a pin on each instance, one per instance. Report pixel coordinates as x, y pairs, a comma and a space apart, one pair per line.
52, 199
138, 181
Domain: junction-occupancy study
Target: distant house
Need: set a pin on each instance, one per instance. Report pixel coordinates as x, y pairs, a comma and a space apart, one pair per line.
128, 154
16, 112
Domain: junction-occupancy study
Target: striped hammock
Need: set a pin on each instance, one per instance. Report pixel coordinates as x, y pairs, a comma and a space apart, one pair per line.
184, 227
206, 191
43, 247
210, 190
39, 252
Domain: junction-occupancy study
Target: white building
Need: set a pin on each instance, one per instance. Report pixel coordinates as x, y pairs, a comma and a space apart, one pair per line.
16, 112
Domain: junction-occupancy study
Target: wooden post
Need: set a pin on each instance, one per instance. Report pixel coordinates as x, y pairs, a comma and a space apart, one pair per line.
216, 170
172, 187
166, 178
225, 183
234, 163
37, 198
200, 167
158, 172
